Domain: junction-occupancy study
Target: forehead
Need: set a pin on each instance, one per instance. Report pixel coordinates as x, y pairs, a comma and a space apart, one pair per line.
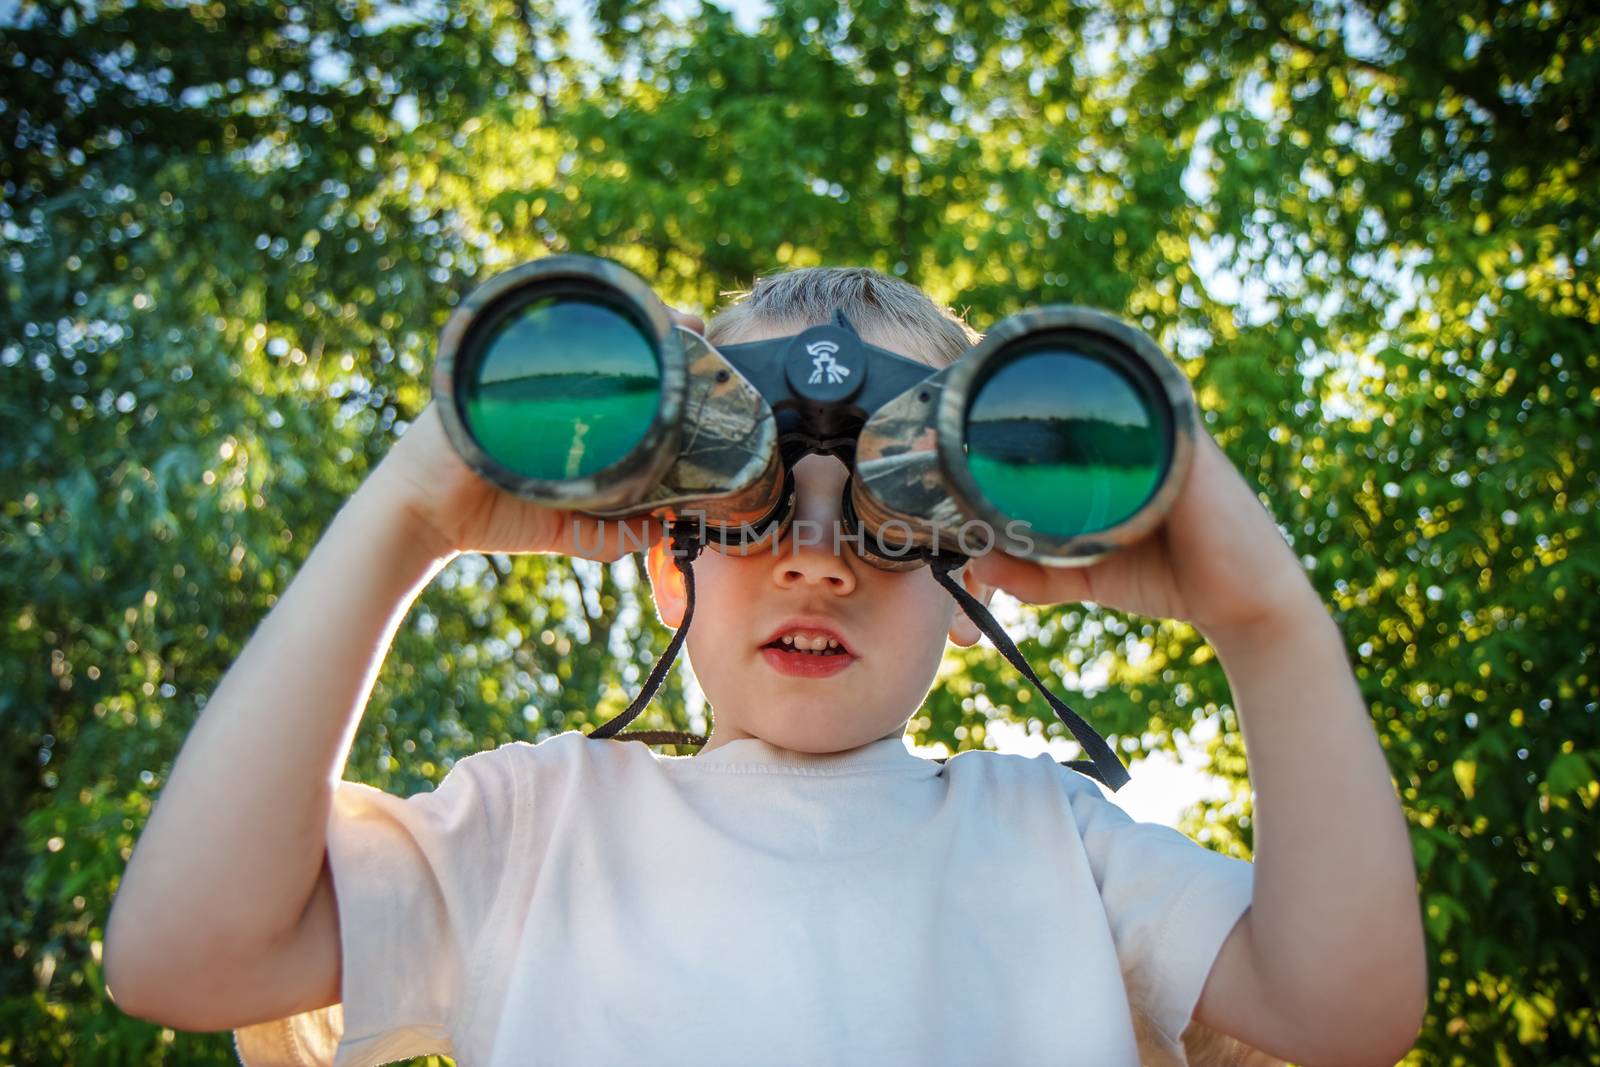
887, 336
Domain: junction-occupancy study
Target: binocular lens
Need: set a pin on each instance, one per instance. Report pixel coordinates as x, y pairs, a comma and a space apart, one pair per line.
565, 386
1062, 438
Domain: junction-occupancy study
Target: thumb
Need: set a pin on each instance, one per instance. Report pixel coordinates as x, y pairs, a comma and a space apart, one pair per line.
1001, 570
1032, 582
605, 540
688, 320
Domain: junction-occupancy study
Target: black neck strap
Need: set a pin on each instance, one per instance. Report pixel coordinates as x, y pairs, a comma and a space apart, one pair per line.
685, 544
1103, 764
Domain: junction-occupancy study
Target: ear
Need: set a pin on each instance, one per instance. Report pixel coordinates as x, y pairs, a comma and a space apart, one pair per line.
963, 631
666, 582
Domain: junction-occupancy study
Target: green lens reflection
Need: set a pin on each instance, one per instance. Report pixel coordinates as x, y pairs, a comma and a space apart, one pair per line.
1063, 441
566, 387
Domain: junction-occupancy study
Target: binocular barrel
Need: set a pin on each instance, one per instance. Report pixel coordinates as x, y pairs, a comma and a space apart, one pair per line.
1063, 435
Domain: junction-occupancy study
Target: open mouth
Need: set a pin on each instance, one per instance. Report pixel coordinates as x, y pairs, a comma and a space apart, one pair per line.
808, 646
807, 650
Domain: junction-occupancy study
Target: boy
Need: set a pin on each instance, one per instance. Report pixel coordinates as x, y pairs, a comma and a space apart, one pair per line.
804, 890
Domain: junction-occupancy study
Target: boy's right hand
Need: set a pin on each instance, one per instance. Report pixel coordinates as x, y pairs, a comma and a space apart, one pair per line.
454, 510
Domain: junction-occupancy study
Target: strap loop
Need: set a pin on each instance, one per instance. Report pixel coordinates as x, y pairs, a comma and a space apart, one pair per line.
1103, 764
686, 545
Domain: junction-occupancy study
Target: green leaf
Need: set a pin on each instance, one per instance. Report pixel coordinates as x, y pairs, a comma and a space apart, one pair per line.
1570, 772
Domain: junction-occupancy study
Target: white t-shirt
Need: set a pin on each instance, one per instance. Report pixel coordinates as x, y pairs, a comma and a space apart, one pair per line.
591, 902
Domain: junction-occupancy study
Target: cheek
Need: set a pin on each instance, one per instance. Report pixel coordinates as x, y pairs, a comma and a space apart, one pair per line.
721, 598
922, 611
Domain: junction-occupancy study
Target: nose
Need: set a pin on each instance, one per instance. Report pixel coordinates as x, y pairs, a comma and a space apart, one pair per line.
817, 566
812, 553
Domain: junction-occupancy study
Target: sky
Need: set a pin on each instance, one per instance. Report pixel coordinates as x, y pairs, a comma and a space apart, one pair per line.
538, 341
1162, 787
1060, 383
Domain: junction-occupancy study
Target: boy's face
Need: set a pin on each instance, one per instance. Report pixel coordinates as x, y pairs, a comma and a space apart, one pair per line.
890, 626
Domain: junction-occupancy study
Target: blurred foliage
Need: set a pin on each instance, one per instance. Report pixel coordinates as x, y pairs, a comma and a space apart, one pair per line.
230, 233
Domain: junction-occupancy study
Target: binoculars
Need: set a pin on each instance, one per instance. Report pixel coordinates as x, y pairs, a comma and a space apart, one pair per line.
1063, 435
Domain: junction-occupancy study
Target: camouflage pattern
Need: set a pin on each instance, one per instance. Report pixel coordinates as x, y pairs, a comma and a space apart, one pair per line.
898, 477
728, 466
911, 465
711, 451
712, 447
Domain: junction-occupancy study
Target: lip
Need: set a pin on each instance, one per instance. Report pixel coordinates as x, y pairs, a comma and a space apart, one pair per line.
805, 664
814, 624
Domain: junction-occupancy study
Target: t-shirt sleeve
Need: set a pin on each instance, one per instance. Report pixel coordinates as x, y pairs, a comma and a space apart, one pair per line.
416, 879
1171, 904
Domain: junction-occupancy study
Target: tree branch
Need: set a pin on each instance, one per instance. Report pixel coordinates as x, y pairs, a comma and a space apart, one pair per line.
525, 16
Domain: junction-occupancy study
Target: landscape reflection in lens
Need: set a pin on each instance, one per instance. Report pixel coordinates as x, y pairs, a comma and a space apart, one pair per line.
1065, 442
566, 387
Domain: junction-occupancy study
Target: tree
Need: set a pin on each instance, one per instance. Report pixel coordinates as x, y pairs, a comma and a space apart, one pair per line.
231, 234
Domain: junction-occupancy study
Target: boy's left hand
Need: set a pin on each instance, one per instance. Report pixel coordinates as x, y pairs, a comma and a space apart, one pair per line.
1217, 562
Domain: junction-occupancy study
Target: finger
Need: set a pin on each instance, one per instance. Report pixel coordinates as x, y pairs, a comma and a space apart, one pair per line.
607, 540
1030, 581
1068, 585
686, 319
636, 535
1007, 572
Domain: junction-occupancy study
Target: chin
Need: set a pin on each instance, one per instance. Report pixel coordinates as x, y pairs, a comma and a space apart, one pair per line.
816, 731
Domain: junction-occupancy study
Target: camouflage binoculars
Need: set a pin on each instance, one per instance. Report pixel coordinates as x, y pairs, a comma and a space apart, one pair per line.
1063, 435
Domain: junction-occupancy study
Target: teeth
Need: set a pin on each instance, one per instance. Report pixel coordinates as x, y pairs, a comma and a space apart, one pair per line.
809, 642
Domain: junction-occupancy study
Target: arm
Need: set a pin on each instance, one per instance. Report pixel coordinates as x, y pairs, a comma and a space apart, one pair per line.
1329, 961
1328, 964
226, 913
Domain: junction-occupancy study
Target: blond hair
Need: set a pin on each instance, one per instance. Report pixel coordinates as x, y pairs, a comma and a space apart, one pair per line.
875, 303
